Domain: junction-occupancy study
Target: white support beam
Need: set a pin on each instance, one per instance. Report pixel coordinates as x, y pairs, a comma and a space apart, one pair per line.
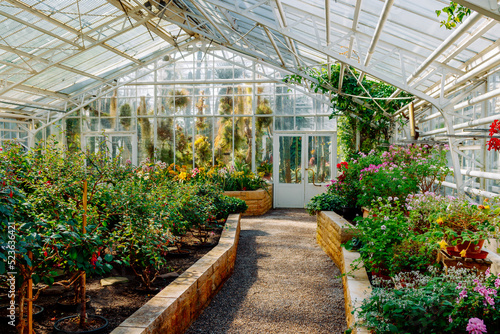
487, 8
74, 31
284, 25
316, 46
40, 29
48, 62
354, 28
273, 43
378, 31
455, 35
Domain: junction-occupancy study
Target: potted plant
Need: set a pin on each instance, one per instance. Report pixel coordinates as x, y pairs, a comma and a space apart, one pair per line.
464, 226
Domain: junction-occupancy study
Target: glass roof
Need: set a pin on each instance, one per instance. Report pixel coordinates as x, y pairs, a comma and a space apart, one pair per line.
54, 53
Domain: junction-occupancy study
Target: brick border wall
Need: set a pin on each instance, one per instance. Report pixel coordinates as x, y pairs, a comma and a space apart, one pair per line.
174, 309
259, 201
331, 232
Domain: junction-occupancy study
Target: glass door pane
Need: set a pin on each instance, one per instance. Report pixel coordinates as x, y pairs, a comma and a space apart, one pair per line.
290, 162
123, 145
319, 157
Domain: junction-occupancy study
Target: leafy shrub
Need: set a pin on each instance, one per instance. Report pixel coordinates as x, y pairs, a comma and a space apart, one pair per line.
325, 202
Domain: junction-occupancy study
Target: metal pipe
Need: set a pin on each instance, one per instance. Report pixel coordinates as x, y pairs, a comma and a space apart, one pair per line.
471, 190
445, 45
477, 99
486, 175
477, 122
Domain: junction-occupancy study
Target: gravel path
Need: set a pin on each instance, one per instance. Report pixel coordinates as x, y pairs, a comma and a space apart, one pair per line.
283, 282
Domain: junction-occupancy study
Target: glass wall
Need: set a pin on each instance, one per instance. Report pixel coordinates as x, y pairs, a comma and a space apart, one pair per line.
202, 110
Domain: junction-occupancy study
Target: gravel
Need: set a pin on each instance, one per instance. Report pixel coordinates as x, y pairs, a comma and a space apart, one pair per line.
283, 282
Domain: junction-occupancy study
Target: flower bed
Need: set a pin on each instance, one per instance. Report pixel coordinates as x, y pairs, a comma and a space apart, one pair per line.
399, 240
178, 305
85, 213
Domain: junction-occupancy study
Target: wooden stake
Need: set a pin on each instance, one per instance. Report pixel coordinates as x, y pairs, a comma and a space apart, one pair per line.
30, 298
83, 279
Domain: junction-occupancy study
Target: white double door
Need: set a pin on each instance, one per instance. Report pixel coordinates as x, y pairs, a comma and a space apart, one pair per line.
303, 166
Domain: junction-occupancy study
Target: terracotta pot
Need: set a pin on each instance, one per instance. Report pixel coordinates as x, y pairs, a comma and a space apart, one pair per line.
471, 249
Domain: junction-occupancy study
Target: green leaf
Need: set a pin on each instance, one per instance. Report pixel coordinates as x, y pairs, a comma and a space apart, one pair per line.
108, 257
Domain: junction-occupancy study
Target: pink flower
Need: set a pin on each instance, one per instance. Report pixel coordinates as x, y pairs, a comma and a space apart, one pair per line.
128, 162
476, 326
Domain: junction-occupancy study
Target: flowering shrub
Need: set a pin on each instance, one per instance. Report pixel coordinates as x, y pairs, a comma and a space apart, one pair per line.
455, 302
132, 213
380, 233
404, 170
347, 185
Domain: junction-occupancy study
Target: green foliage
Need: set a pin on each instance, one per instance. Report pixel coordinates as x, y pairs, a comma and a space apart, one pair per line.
356, 114
434, 303
456, 14
325, 202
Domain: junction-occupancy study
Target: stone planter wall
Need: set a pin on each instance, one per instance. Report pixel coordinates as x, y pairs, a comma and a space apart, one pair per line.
331, 232
174, 309
258, 201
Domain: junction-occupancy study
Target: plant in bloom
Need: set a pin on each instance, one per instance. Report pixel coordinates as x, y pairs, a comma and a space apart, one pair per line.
434, 302
476, 326
494, 143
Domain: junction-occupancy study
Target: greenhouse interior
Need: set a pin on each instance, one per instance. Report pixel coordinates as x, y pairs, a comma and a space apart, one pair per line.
249, 166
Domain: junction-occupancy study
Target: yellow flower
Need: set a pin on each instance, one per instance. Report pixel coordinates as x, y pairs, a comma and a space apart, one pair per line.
183, 175
462, 253
487, 207
442, 244
440, 221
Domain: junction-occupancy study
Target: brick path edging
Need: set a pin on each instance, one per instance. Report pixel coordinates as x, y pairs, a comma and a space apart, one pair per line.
174, 309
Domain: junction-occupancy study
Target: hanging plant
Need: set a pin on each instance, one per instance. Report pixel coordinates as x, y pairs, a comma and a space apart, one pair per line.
494, 143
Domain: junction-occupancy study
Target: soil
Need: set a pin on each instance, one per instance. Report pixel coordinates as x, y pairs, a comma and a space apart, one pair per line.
73, 324
117, 302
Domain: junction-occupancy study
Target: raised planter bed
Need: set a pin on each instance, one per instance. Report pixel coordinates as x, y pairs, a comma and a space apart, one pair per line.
259, 201
331, 232
182, 301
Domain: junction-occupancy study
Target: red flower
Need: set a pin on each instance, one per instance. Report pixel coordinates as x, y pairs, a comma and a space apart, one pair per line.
45, 253
11, 194
244, 188
494, 143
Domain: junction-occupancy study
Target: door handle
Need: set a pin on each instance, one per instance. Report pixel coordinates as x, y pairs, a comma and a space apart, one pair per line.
312, 170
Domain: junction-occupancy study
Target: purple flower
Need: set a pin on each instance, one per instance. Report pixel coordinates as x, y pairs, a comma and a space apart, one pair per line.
476, 326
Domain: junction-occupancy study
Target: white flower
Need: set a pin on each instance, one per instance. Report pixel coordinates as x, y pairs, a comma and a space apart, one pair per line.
390, 198
386, 218
379, 199
383, 227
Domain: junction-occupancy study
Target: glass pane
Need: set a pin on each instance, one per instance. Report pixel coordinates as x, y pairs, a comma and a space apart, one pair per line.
165, 140
184, 141
264, 146
290, 163
145, 138
223, 142
319, 159
121, 146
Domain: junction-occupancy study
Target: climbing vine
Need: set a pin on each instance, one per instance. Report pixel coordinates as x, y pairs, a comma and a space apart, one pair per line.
456, 13
356, 111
